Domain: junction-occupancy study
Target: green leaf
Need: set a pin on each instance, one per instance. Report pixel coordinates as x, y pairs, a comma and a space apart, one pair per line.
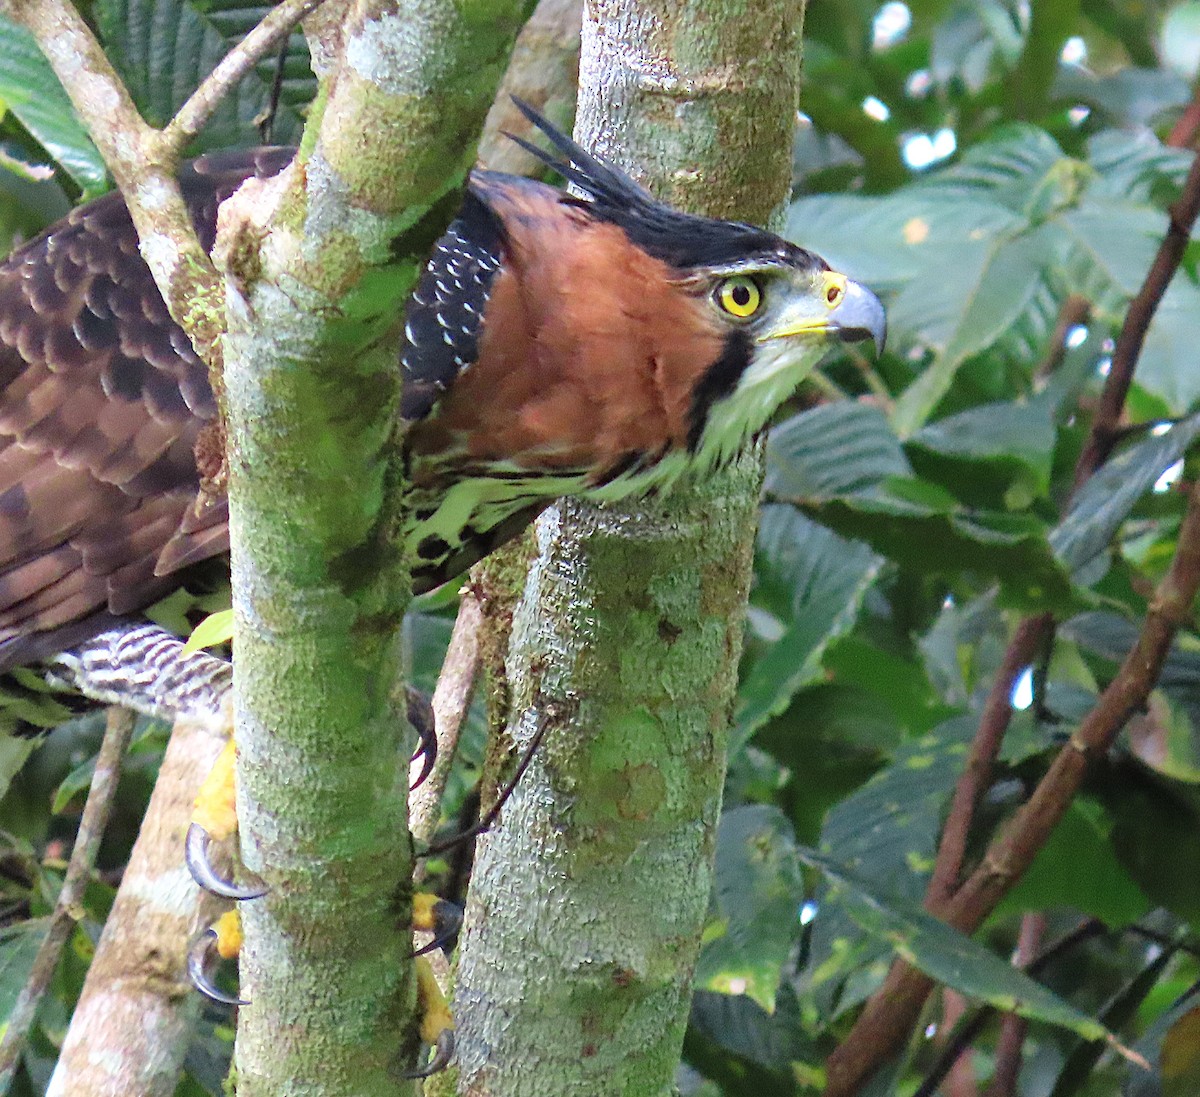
1015, 436
1155, 830
757, 894
938, 538
163, 49
19, 944
843, 465
29, 88
828, 578
216, 628
1136, 165
1172, 1044
13, 754
946, 955
1004, 289
834, 449
887, 831
1107, 498
1167, 365
1077, 869
1129, 96
767, 1045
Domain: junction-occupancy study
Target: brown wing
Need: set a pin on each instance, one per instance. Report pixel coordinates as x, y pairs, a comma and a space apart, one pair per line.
101, 402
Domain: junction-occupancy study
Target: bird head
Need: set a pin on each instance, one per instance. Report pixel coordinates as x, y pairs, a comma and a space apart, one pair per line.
775, 308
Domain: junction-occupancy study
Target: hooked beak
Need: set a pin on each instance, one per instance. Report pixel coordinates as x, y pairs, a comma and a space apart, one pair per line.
858, 315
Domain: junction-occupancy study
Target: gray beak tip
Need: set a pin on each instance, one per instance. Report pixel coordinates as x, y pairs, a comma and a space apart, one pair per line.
860, 316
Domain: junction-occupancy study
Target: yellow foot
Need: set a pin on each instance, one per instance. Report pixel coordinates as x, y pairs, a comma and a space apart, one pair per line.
437, 1023
214, 818
432, 914
221, 941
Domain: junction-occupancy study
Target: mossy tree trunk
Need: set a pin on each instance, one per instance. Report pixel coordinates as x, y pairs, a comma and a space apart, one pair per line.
317, 266
588, 899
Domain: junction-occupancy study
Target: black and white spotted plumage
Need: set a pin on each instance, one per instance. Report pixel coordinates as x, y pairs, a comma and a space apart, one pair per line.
445, 312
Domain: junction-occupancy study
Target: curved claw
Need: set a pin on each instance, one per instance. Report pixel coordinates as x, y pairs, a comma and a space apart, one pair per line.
199, 863
444, 922
201, 957
443, 1052
420, 715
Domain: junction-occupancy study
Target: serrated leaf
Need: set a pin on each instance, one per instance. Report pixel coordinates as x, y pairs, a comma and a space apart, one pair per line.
1136, 165
216, 628
948, 956
1007, 283
757, 893
1130, 96
1107, 498
828, 578
1011, 167
29, 88
1017, 225
1167, 365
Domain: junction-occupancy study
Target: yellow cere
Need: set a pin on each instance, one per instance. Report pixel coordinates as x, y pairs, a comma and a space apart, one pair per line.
739, 296
835, 288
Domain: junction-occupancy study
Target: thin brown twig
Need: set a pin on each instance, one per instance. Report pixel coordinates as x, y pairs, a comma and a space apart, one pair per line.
891, 1013
451, 703
68, 910
1013, 1027
969, 1029
191, 118
960, 1080
1181, 218
985, 747
895, 1007
1187, 125
1075, 310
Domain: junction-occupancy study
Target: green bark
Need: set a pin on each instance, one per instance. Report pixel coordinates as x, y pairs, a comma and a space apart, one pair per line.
588, 900
319, 577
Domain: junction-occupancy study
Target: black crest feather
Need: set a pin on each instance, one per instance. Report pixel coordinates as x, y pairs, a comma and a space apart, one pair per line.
682, 239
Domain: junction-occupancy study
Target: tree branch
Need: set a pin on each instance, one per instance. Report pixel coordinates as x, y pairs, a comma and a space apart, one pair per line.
143, 165
136, 1002
1104, 433
893, 1010
191, 118
1014, 1027
451, 702
977, 774
68, 910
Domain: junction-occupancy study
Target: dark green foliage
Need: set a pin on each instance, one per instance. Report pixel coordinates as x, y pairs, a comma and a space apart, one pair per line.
908, 525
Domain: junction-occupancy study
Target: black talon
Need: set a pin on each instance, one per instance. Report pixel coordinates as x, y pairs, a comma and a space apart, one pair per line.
200, 961
447, 924
196, 854
420, 715
443, 1052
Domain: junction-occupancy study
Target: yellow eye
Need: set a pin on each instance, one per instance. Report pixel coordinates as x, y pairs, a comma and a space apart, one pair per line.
739, 296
